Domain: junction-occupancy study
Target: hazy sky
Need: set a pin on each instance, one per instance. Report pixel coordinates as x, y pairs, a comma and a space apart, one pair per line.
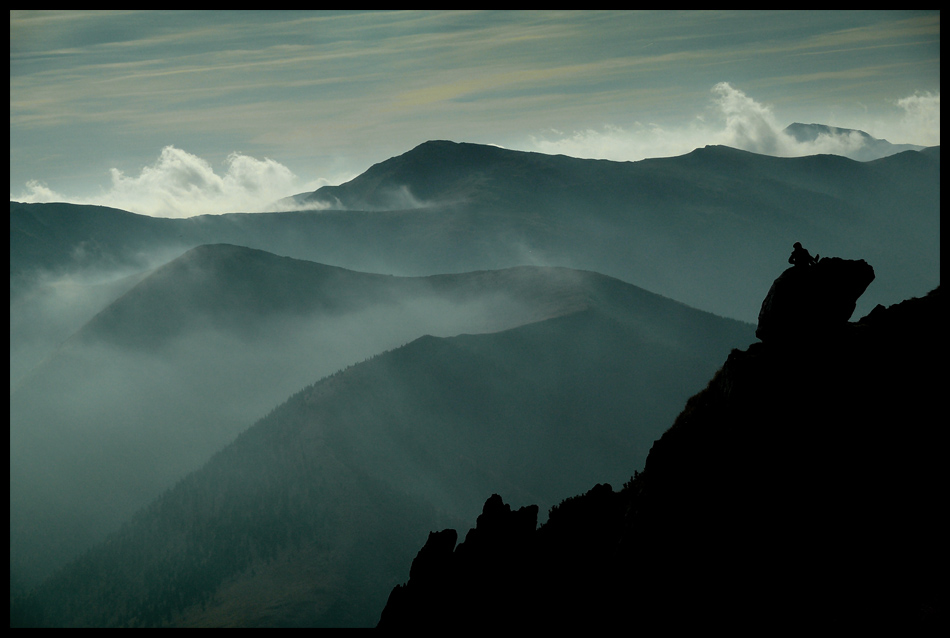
178, 112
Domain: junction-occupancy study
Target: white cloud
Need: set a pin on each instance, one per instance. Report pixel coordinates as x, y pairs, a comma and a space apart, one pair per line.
921, 120
180, 184
617, 143
749, 125
737, 120
38, 192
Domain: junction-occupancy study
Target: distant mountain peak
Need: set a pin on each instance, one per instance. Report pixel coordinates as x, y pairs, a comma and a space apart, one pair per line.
810, 132
871, 148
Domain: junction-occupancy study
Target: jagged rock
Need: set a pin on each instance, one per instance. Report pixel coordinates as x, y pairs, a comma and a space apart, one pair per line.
442, 583
430, 562
429, 575
806, 301
797, 490
499, 529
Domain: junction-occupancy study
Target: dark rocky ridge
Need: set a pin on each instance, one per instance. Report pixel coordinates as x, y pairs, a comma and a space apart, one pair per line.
797, 490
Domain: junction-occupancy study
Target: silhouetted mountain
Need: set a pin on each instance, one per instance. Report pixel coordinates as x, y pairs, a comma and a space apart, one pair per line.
704, 228
865, 148
188, 358
797, 490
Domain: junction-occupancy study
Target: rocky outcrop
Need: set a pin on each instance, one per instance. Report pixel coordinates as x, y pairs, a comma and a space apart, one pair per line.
799, 489
809, 301
445, 585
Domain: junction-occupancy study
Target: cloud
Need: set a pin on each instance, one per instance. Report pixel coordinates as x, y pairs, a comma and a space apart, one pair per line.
749, 125
921, 120
180, 184
734, 119
617, 143
38, 192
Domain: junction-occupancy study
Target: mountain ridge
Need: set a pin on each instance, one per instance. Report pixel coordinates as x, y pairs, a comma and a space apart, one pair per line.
437, 162
194, 353
659, 223
403, 423
871, 148
763, 505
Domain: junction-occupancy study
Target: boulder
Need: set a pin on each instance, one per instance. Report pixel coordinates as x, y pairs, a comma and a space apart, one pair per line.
806, 301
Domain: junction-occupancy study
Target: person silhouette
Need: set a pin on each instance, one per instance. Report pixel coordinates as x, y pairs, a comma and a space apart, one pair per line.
801, 257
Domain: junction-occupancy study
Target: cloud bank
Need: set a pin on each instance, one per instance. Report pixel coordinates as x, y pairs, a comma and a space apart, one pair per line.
737, 120
180, 184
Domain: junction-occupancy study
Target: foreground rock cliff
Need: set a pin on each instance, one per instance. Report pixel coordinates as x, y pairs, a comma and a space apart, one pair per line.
802, 488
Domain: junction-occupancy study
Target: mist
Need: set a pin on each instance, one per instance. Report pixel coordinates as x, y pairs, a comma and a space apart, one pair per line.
48, 305
110, 420
551, 378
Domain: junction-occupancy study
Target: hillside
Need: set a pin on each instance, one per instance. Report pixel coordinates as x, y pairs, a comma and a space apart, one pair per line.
705, 228
796, 490
345, 478
63, 237
191, 356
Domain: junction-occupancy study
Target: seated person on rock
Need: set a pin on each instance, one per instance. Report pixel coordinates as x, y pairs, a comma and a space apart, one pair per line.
801, 257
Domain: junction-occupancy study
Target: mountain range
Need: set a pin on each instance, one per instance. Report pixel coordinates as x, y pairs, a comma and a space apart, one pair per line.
458, 321
709, 228
580, 386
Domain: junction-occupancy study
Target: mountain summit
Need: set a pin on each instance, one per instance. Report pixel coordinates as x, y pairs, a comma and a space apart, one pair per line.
440, 172
861, 146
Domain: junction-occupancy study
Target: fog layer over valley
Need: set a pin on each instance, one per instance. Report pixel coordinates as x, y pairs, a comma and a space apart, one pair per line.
342, 480
190, 356
46, 314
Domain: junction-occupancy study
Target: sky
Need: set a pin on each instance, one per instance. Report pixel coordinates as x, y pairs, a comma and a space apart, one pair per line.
178, 113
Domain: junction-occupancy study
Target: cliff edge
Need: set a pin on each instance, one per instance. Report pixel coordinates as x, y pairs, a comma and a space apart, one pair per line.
801, 488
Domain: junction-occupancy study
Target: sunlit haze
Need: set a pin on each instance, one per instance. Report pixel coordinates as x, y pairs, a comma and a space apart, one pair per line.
178, 113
